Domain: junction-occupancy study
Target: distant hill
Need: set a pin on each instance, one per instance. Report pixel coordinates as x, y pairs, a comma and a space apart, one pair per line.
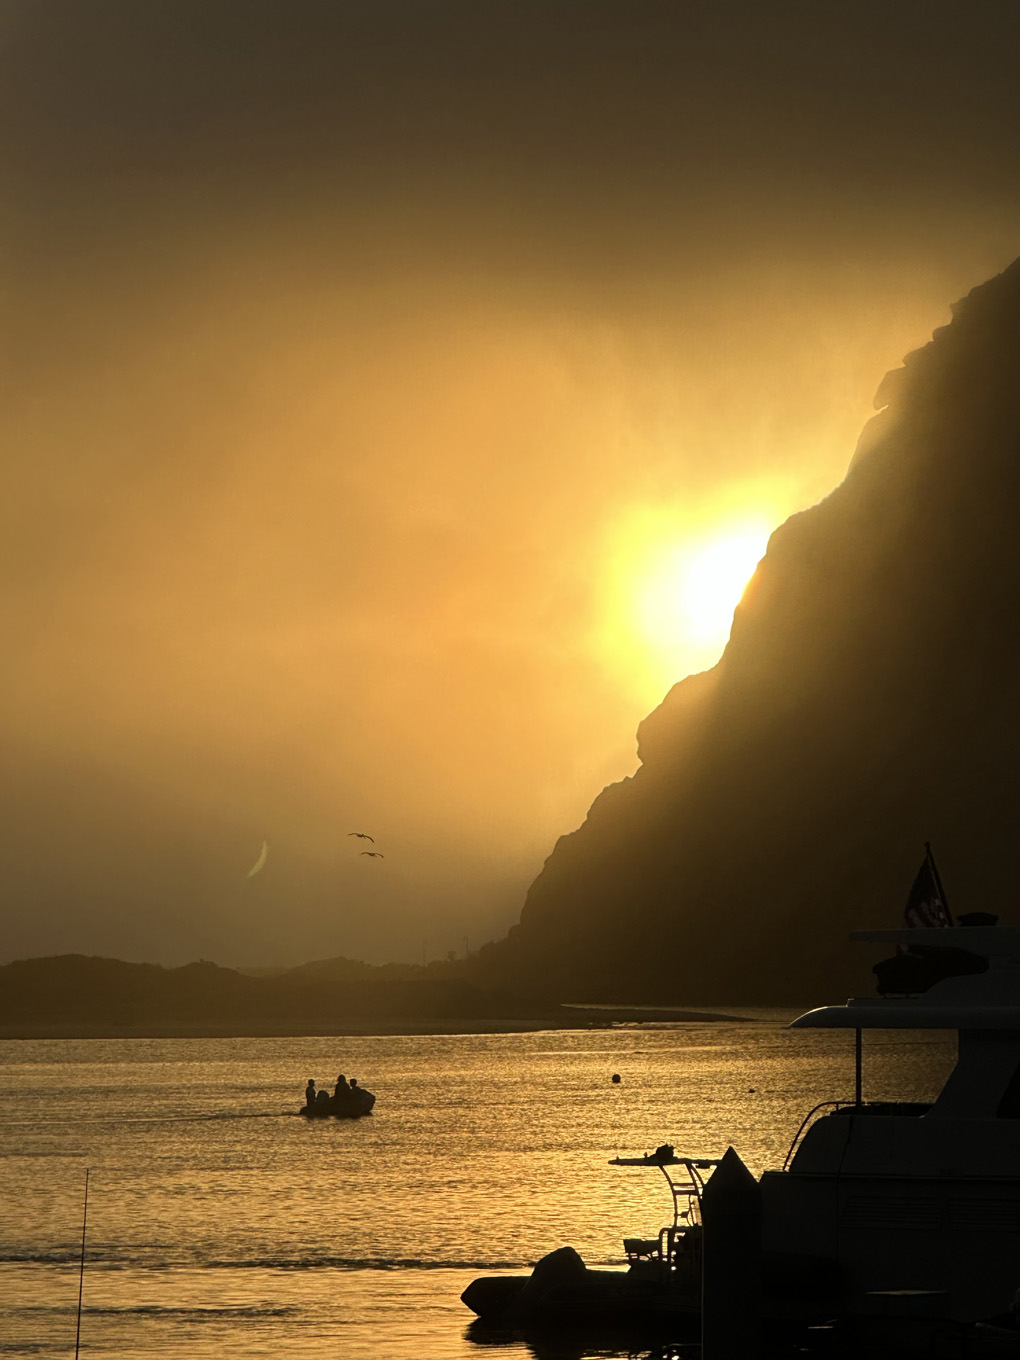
342, 969
867, 701
73, 993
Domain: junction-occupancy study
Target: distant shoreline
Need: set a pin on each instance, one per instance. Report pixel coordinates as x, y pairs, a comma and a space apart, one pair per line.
577, 1017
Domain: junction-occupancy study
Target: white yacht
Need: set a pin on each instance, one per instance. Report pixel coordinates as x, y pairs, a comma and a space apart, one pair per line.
918, 1206
886, 1215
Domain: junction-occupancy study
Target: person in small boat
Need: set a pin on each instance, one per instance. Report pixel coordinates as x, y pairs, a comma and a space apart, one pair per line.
354, 1083
310, 1092
322, 1096
341, 1089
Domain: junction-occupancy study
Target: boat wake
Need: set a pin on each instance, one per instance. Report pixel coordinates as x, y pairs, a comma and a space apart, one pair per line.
362, 1263
155, 1119
155, 1310
100, 1259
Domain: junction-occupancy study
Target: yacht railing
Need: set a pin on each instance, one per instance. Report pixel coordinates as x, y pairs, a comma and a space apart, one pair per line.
806, 1123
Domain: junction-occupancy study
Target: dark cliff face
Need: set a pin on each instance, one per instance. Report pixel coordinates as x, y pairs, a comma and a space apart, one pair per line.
868, 700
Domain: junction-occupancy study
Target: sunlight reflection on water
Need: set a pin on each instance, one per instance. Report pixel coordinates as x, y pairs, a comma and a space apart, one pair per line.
247, 1236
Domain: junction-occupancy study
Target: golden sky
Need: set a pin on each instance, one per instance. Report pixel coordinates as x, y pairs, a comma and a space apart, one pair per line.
389, 394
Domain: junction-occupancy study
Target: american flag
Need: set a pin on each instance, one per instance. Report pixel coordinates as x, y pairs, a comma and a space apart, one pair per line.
926, 905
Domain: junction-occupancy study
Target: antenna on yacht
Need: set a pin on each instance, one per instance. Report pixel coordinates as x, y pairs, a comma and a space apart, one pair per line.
81, 1272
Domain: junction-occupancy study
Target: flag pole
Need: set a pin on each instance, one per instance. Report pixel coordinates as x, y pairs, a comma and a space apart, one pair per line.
81, 1272
938, 881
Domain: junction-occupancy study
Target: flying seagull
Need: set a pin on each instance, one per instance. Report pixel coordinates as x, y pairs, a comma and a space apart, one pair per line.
362, 835
374, 854
259, 864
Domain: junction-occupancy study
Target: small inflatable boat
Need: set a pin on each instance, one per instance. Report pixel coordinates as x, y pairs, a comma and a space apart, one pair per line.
660, 1288
349, 1104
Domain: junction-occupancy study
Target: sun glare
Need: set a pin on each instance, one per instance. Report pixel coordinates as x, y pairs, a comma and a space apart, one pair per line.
711, 582
675, 588
689, 596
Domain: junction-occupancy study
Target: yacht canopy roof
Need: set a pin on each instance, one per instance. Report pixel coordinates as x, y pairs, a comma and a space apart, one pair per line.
988, 1000
908, 1013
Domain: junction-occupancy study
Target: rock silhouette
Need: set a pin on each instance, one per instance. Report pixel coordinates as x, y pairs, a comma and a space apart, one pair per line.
867, 701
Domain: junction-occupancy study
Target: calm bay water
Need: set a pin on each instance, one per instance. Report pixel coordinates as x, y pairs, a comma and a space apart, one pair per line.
222, 1225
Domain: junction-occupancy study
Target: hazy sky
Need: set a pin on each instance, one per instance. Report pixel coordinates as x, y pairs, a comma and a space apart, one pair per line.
375, 376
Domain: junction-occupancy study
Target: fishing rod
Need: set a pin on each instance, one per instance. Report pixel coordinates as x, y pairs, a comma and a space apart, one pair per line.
81, 1272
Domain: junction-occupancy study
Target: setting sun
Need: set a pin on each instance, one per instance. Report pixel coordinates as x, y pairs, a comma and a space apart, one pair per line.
693, 595
675, 582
